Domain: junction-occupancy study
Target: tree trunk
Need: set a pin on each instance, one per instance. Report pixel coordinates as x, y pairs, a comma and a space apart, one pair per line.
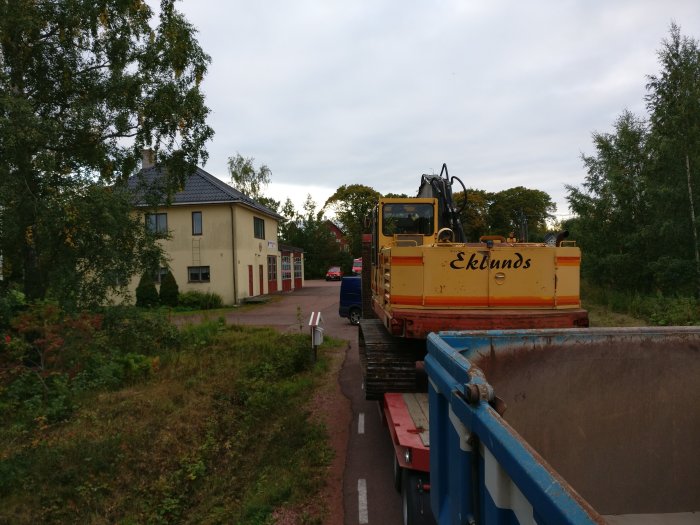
33, 276
693, 223
27, 232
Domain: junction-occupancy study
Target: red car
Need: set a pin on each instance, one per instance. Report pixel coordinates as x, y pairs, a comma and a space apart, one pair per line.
357, 266
334, 273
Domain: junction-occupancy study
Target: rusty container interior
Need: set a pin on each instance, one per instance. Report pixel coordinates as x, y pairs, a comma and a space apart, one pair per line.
617, 416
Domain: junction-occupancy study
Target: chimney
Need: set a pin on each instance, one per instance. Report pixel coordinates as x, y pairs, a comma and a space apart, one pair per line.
148, 159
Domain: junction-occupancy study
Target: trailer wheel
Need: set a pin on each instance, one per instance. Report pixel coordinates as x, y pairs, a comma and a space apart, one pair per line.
355, 316
398, 473
416, 501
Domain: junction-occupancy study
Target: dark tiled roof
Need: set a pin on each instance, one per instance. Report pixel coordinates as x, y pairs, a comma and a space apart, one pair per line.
200, 188
289, 248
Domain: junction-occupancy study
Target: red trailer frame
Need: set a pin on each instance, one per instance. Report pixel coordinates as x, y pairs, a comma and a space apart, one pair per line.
408, 427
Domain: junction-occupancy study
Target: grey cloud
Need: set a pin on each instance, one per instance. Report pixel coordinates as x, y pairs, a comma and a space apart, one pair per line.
379, 91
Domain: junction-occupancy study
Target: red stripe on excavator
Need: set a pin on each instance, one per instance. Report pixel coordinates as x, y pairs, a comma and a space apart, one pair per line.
406, 261
456, 301
522, 301
569, 261
409, 300
481, 302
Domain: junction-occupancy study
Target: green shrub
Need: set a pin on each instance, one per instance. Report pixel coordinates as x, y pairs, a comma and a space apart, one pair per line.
10, 303
146, 293
169, 290
49, 358
128, 330
200, 300
202, 334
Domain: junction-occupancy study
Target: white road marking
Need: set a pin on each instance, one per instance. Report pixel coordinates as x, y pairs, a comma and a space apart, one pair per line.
361, 423
362, 501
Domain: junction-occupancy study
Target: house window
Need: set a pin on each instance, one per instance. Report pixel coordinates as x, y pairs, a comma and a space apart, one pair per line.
196, 223
198, 274
271, 268
158, 276
258, 228
297, 267
157, 222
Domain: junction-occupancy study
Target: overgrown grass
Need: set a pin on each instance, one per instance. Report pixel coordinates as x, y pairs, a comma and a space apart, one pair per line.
216, 432
608, 307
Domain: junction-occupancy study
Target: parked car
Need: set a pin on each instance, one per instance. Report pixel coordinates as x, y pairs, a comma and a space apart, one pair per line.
350, 305
334, 273
357, 266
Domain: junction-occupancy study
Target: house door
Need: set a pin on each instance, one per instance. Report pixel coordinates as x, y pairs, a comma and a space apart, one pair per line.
262, 279
271, 274
250, 280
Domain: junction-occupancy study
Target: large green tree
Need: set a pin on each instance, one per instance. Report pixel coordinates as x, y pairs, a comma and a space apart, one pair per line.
612, 223
637, 209
246, 179
475, 213
673, 102
288, 226
352, 206
309, 230
84, 87
520, 210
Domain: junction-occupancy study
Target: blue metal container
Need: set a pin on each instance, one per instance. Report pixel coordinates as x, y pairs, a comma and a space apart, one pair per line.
590, 401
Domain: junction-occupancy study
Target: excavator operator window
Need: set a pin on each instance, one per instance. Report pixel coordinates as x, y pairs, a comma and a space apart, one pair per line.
405, 218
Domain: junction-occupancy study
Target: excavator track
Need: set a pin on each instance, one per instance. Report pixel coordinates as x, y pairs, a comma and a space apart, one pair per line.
388, 363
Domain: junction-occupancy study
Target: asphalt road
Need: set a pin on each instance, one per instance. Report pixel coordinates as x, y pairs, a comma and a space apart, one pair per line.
369, 496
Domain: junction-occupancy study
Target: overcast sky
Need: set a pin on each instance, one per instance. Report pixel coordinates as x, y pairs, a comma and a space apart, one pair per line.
377, 92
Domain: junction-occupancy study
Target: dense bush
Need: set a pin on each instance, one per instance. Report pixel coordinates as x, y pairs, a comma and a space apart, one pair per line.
146, 293
48, 357
169, 290
200, 300
129, 330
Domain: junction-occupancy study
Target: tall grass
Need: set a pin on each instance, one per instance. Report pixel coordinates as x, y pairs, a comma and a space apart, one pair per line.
656, 310
217, 432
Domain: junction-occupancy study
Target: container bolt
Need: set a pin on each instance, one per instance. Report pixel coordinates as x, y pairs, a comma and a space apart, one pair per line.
475, 392
472, 394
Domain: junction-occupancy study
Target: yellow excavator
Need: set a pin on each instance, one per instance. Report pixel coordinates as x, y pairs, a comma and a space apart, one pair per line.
423, 276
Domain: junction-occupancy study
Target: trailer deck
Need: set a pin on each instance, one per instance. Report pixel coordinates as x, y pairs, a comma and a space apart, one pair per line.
407, 418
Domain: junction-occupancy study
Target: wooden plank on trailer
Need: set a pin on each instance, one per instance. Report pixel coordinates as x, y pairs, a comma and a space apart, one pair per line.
417, 404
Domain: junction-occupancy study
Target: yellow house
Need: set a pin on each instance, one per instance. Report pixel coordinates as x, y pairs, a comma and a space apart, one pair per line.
220, 240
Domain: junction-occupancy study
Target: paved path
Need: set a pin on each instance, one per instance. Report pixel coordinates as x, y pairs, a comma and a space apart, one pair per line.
293, 309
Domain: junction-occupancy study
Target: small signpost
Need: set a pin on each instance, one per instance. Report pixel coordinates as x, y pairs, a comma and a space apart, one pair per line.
315, 323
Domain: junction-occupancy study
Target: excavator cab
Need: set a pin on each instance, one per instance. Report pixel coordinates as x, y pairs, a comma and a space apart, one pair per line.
405, 222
